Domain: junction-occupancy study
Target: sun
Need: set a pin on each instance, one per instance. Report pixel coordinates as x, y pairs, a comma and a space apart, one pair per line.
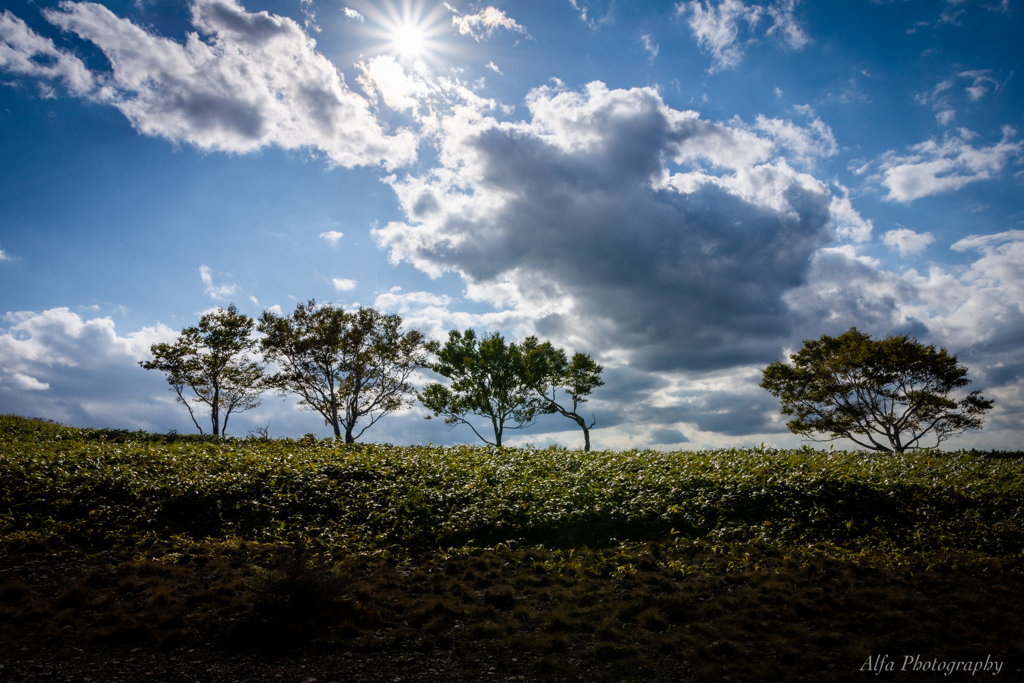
410, 31
409, 40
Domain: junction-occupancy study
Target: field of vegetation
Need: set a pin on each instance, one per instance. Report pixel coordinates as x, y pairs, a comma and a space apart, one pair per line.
609, 564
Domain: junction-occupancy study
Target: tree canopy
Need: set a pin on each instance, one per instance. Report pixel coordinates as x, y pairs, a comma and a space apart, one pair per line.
212, 359
489, 379
347, 366
888, 395
551, 371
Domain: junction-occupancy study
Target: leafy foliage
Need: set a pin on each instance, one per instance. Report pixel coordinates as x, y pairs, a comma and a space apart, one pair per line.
62, 486
551, 371
884, 395
489, 379
212, 360
345, 366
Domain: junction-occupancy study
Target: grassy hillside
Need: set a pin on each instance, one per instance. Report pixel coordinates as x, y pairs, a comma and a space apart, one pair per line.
124, 555
117, 488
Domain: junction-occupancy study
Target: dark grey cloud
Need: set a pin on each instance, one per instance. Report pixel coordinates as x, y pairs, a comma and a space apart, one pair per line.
687, 273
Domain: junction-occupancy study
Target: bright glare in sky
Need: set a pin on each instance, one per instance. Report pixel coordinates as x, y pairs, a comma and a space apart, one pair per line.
409, 40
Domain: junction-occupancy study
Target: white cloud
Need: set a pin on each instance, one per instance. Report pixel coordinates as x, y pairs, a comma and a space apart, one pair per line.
254, 79
483, 24
353, 14
29, 383
981, 83
25, 53
254, 300
650, 47
415, 90
847, 221
4, 256
907, 241
275, 309
343, 285
717, 27
584, 11
933, 167
572, 225
332, 236
806, 143
220, 292
494, 67
945, 117
785, 25
57, 365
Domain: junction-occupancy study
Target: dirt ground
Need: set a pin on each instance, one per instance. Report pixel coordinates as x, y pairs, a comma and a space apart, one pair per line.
649, 613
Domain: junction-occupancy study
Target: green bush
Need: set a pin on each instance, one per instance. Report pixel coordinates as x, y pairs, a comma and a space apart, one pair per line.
65, 485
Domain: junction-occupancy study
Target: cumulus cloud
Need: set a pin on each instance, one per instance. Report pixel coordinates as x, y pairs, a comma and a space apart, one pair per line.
220, 292
717, 27
975, 310
573, 220
332, 236
907, 241
57, 365
25, 53
243, 81
353, 14
483, 24
494, 67
806, 144
846, 220
343, 285
933, 166
4, 256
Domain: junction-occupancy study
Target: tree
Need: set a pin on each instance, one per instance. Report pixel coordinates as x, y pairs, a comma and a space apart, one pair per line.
212, 360
489, 379
884, 395
551, 371
345, 366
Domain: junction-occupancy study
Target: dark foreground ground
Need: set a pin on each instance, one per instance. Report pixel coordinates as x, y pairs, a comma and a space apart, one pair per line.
672, 612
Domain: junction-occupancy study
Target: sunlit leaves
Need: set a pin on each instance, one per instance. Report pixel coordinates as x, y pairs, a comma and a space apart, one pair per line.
60, 483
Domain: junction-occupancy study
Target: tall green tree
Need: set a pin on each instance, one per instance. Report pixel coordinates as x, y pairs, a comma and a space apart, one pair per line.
345, 366
488, 379
212, 359
888, 395
551, 371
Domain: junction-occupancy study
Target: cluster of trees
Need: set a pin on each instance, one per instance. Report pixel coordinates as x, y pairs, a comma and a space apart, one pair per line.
355, 367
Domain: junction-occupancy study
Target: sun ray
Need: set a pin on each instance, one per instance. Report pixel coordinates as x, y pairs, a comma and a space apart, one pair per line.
409, 31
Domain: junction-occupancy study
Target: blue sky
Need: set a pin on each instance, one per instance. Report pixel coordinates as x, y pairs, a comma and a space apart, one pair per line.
685, 190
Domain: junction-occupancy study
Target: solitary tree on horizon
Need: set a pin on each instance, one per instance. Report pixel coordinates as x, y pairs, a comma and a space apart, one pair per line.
212, 359
552, 371
489, 379
884, 395
347, 366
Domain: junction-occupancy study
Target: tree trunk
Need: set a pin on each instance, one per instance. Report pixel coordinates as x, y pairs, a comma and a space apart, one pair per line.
348, 434
497, 431
215, 412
